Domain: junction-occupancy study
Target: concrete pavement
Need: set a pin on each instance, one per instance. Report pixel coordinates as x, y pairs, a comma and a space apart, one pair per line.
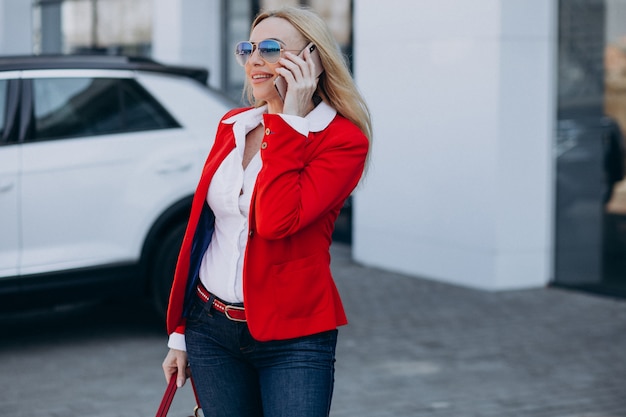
420, 348
413, 348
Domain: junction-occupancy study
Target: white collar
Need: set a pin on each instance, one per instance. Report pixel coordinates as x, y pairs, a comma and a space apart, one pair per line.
319, 118
249, 117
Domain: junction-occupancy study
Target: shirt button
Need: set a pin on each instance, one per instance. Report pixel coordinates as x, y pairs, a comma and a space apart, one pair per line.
250, 233
264, 145
268, 131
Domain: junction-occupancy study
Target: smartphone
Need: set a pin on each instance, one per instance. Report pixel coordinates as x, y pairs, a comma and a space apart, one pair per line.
281, 84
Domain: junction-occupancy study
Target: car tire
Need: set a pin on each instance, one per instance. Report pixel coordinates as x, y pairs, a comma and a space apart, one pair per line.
163, 266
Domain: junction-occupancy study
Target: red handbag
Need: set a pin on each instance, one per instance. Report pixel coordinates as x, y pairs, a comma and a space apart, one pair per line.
168, 396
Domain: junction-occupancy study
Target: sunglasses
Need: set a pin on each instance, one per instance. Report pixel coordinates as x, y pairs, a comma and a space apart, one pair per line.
269, 51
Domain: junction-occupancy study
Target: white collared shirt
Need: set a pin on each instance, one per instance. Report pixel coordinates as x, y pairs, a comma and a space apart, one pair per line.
229, 196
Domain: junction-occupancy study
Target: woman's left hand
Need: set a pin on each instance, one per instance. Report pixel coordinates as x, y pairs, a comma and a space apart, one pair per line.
175, 363
301, 83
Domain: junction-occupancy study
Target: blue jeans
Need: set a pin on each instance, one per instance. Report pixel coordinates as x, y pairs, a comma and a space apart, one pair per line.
237, 376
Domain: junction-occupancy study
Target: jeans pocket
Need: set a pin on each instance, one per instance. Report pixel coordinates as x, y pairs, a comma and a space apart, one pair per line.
196, 312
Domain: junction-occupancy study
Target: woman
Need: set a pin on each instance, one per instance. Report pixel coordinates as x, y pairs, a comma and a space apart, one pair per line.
254, 309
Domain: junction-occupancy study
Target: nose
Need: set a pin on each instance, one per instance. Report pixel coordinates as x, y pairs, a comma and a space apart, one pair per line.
255, 56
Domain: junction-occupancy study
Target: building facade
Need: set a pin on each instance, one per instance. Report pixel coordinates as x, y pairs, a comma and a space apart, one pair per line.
497, 160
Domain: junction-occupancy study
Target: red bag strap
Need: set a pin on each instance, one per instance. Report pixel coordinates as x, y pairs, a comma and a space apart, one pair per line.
168, 396
195, 394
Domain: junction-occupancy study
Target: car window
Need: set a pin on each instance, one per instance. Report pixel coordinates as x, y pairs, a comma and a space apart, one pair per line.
3, 102
71, 107
142, 111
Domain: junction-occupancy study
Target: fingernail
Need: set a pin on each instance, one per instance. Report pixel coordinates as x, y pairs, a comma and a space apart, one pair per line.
179, 383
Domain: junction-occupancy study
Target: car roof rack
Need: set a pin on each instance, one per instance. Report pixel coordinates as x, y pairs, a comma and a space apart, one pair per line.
94, 61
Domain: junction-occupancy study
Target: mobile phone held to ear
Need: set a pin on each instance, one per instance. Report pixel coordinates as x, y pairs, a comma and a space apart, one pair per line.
281, 84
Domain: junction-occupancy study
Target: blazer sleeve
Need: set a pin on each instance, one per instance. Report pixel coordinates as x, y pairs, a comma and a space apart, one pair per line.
305, 177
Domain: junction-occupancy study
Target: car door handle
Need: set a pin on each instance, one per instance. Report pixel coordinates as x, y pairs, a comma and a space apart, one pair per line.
171, 167
6, 186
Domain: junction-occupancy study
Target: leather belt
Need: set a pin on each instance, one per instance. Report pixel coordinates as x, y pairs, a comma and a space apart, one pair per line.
232, 312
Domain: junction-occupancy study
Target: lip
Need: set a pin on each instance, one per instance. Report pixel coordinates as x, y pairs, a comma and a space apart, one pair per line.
262, 77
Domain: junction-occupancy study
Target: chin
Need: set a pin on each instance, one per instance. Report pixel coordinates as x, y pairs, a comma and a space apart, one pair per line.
266, 99
261, 94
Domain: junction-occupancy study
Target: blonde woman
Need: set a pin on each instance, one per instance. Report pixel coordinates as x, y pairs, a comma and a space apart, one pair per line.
254, 310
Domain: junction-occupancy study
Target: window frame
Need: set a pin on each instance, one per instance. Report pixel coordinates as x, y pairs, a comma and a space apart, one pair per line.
27, 106
12, 102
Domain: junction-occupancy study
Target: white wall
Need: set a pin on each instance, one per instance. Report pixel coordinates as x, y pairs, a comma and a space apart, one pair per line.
188, 32
462, 97
16, 27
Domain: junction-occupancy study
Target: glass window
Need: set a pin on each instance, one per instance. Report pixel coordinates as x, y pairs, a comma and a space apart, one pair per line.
614, 225
239, 14
615, 63
142, 111
79, 26
3, 102
72, 107
590, 238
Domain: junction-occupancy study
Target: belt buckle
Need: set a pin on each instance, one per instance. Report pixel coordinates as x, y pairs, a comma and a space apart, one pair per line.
228, 307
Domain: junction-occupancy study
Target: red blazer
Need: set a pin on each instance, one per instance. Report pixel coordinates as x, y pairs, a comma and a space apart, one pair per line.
288, 287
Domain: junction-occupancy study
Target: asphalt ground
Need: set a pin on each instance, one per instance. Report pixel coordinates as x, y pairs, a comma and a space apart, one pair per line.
413, 348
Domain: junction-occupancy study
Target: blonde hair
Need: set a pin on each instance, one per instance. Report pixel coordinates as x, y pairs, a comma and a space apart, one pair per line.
336, 85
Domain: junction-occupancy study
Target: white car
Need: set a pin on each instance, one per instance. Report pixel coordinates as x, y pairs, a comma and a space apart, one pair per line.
99, 158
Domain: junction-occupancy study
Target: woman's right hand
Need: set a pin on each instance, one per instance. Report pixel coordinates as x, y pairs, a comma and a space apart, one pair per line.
176, 361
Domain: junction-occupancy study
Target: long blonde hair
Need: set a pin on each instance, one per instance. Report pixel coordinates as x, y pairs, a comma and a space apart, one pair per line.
336, 85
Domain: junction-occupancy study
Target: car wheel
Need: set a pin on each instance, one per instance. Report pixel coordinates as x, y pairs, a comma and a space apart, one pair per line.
163, 266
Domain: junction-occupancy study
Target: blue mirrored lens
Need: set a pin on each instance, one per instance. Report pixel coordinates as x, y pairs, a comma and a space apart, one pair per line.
269, 50
243, 50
